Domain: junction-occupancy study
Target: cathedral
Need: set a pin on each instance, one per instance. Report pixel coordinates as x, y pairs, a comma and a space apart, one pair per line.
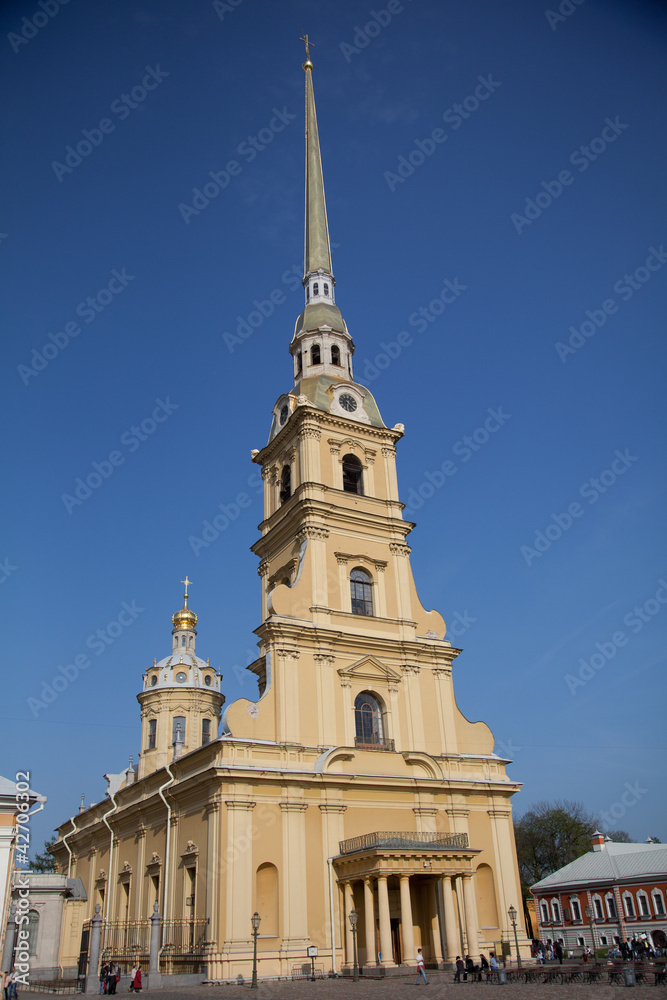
352, 786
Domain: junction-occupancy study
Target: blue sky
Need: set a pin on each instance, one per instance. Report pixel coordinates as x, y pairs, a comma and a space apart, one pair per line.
507, 158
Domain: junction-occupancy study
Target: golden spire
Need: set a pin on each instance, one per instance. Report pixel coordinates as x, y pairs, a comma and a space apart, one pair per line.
317, 249
185, 618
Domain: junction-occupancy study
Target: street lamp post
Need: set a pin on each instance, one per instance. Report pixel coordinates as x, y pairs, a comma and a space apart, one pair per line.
589, 913
354, 916
512, 916
255, 921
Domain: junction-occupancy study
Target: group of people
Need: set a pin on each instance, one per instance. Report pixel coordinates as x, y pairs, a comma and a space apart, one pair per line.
110, 977
548, 952
468, 968
9, 985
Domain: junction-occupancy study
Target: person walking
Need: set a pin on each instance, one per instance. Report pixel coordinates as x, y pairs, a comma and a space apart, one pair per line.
420, 968
136, 980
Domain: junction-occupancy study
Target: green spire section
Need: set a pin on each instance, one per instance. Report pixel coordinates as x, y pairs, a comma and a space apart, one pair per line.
317, 248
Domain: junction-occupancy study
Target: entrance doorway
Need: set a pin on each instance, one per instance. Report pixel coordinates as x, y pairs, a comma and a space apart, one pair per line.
396, 941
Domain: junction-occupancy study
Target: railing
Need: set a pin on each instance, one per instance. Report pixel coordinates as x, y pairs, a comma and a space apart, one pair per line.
404, 840
127, 942
373, 743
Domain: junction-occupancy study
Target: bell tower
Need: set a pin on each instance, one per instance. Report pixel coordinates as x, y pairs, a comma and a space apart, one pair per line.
181, 699
349, 657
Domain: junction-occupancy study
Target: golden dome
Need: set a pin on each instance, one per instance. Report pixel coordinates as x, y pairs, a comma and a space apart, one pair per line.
185, 618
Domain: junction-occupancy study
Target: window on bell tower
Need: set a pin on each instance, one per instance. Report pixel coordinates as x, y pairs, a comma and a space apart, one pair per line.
352, 470
368, 718
315, 354
335, 356
361, 592
285, 484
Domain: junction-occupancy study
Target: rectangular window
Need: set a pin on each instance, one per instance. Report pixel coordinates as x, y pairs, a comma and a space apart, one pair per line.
643, 905
152, 733
658, 904
597, 906
576, 909
611, 907
580, 942
603, 939
205, 731
545, 913
629, 908
555, 908
178, 729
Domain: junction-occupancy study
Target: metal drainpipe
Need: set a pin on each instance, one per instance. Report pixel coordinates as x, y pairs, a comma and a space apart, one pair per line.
68, 848
331, 909
165, 891
105, 821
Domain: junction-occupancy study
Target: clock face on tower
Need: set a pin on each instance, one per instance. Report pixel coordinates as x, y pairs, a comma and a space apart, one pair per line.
348, 402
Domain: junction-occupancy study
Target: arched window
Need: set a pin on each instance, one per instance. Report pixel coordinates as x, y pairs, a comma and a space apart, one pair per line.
611, 906
555, 911
335, 355
33, 927
316, 289
642, 902
575, 906
658, 904
326, 288
368, 719
178, 729
352, 482
285, 484
315, 353
182, 640
205, 731
597, 908
361, 592
152, 733
629, 905
299, 363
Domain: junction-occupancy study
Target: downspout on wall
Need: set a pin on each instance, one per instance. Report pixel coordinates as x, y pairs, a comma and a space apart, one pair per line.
167, 848
105, 821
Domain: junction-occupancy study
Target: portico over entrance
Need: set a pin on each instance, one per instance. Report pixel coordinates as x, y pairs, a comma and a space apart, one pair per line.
410, 890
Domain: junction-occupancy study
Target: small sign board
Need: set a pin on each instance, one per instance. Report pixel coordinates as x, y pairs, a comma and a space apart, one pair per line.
312, 951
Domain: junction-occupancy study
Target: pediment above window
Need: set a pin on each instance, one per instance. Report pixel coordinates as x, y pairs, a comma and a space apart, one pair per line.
369, 668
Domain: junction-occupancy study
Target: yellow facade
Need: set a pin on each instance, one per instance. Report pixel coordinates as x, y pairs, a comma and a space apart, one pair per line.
353, 781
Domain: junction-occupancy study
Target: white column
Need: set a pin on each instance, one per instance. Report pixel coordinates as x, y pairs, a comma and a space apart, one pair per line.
349, 906
385, 922
295, 914
406, 921
240, 875
369, 921
471, 917
435, 922
449, 918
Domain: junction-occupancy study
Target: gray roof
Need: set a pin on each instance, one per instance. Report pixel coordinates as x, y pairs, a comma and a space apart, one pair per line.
615, 862
8, 791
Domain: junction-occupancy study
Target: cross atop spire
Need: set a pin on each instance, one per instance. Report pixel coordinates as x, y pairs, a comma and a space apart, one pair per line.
307, 43
187, 583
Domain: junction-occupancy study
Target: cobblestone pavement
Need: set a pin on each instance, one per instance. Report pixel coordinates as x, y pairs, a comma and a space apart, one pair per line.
440, 985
